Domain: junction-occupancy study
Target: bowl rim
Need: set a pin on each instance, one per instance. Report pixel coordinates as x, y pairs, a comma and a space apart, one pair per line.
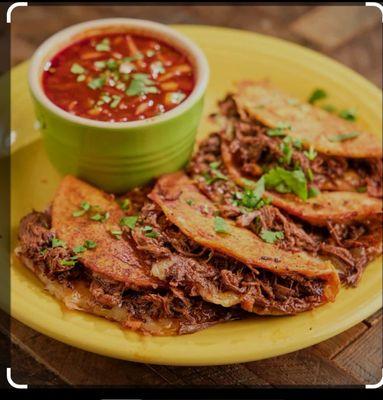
188, 46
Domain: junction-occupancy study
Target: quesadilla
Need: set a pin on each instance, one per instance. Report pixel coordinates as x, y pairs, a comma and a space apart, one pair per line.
84, 258
208, 256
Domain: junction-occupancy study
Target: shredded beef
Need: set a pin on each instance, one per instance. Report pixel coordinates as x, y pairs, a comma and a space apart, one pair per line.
253, 150
347, 245
204, 270
192, 314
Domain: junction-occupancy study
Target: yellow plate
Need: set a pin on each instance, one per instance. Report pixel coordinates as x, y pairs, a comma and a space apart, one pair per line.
233, 55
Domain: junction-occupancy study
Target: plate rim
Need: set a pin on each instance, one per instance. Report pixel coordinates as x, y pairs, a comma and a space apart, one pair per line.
187, 359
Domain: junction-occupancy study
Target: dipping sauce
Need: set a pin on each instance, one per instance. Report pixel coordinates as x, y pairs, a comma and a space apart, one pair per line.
118, 78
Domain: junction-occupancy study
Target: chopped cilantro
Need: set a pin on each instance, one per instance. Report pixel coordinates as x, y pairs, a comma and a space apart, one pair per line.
116, 101
313, 191
104, 45
125, 204
77, 69
100, 217
79, 249
286, 150
285, 181
152, 234
317, 94
129, 221
311, 153
141, 84
111, 64
310, 174
117, 233
276, 132
97, 83
271, 236
343, 136
84, 207
58, 243
68, 263
348, 114
190, 202
100, 64
361, 189
220, 225
90, 244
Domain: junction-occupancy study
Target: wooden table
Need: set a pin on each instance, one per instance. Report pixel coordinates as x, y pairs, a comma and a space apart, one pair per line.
352, 35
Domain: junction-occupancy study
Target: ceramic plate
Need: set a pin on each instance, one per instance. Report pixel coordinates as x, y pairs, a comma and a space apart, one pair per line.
233, 55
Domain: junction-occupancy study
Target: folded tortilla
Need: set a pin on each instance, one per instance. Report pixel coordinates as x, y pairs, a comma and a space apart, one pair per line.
193, 214
112, 258
336, 206
109, 279
263, 102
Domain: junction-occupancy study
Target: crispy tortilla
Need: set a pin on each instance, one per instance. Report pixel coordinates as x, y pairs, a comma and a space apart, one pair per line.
263, 102
112, 258
327, 206
193, 213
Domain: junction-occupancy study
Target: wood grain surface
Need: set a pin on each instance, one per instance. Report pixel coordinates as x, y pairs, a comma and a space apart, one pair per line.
350, 34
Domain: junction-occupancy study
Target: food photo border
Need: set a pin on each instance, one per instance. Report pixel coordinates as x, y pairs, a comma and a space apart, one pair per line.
11, 387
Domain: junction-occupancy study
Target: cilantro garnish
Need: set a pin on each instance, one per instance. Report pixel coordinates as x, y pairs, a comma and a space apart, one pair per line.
97, 83
150, 232
316, 95
84, 207
285, 181
90, 244
348, 114
311, 153
69, 263
343, 136
141, 84
116, 101
79, 249
77, 69
220, 225
58, 243
271, 236
116, 233
100, 217
104, 45
361, 189
130, 221
124, 204
313, 191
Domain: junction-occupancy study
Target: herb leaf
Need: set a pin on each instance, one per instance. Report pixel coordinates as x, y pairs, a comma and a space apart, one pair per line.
285, 181
97, 83
58, 243
129, 221
343, 136
77, 69
348, 114
271, 236
311, 153
316, 95
220, 225
104, 45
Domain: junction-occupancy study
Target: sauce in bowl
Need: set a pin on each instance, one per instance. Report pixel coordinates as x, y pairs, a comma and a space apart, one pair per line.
118, 78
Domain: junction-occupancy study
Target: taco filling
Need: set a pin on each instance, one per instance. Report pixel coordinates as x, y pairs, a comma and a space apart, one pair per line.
306, 199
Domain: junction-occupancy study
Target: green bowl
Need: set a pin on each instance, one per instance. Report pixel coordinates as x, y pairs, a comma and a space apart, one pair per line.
118, 156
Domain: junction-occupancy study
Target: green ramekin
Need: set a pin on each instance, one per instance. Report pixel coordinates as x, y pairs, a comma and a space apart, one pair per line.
117, 156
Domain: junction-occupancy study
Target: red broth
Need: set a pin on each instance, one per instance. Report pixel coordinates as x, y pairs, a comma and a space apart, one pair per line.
118, 78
